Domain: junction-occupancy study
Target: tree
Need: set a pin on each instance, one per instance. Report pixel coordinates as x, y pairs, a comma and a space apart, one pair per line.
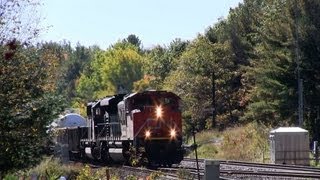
75, 63
160, 61
193, 80
113, 70
240, 31
26, 108
134, 40
27, 99
287, 36
306, 15
158, 65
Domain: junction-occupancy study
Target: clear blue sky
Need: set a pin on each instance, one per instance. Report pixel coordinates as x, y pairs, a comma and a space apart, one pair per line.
103, 22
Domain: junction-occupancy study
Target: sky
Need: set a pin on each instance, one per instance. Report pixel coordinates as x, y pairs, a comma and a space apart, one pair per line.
104, 22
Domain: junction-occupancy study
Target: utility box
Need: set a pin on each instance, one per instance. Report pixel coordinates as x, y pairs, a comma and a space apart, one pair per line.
289, 145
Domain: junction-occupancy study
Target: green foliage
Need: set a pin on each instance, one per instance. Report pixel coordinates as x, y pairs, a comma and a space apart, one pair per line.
112, 71
86, 173
51, 168
184, 174
308, 28
207, 148
204, 80
137, 156
246, 143
75, 63
27, 108
155, 175
10, 177
143, 84
133, 40
284, 34
158, 65
69, 64
272, 100
131, 177
241, 68
160, 61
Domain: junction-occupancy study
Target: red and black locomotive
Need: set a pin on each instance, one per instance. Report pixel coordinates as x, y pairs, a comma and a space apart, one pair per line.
148, 122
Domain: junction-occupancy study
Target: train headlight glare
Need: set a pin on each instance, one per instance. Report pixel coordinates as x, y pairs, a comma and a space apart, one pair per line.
147, 134
173, 133
159, 112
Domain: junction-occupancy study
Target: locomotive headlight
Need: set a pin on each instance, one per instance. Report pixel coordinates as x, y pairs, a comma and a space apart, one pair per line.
159, 112
147, 134
173, 133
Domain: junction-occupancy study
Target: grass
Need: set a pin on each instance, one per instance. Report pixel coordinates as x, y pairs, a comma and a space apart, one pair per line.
206, 146
246, 143
51, 168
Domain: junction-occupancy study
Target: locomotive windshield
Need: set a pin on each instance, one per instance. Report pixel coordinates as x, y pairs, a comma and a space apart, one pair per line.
140, 102
145, 101
167, 101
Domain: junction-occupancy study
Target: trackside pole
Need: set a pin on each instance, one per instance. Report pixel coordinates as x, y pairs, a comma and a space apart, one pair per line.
195, 150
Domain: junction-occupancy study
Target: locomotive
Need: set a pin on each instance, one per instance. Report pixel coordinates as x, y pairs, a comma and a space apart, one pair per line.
147, 122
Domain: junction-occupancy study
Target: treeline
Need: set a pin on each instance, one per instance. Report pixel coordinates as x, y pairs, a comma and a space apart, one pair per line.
241, 69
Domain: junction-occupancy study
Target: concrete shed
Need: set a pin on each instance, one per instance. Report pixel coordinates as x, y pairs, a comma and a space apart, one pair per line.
289, 145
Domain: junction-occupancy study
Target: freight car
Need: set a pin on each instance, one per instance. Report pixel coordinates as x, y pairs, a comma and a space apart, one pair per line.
145, 124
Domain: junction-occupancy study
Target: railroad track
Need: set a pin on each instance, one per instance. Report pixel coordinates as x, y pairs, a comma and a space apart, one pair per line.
288, 168
261, 165
248, 169
239, 173
228, 170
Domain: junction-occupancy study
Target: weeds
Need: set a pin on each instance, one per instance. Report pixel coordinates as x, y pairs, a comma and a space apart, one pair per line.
137, 157
51, 168
247, 143
155, 175
131, 177
184, 174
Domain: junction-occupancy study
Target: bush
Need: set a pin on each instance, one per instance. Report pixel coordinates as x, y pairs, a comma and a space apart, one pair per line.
86, 173
51, 168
